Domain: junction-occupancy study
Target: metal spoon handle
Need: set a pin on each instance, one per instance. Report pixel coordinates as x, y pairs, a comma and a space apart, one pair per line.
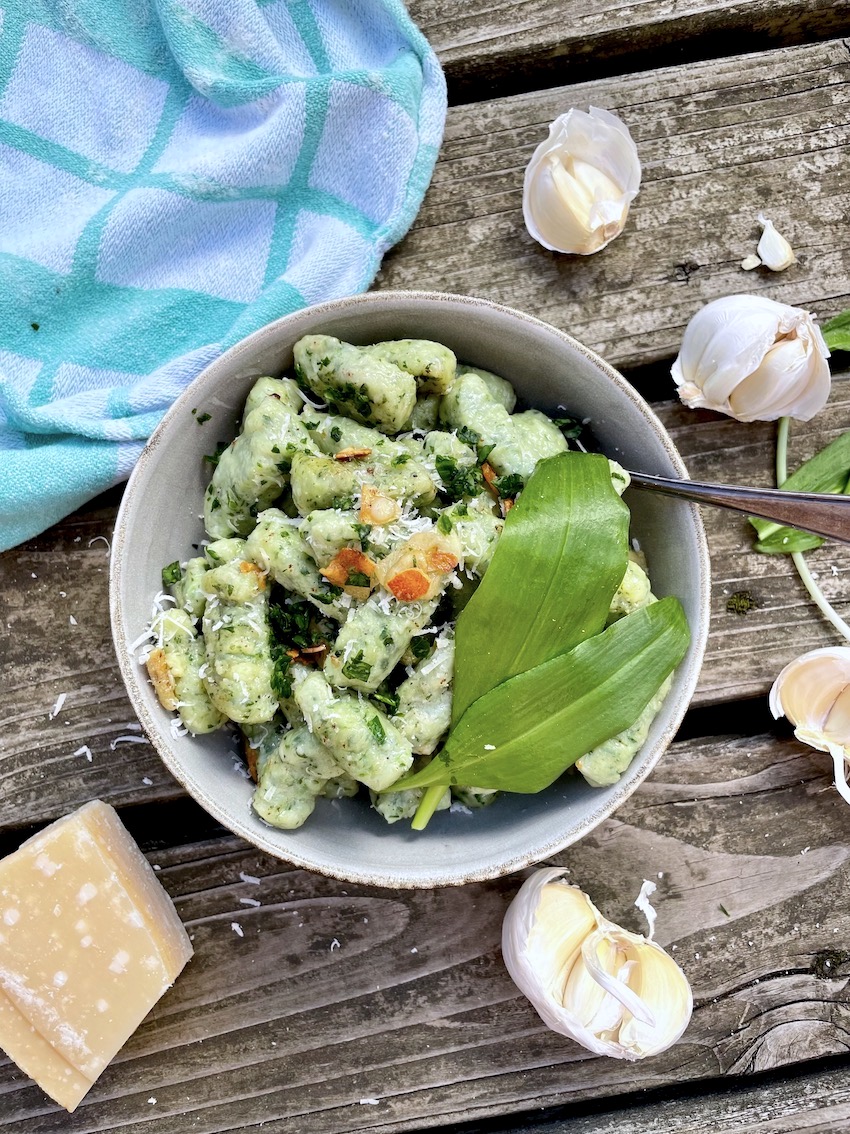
820, 513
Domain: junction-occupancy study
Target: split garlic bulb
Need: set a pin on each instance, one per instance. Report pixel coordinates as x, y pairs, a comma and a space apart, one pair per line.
580, 182
614, 992
813, 692
754, 359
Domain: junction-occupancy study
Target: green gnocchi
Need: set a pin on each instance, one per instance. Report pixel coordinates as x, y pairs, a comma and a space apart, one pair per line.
348, 523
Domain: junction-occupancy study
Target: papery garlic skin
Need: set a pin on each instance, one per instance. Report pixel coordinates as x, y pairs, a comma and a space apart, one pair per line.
813, 692
614, 992
774, 250
754, 359
580, 182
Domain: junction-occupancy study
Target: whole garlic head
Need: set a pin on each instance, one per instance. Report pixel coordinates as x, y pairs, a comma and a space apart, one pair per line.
813, 692
614, 992
580, 182
754, 359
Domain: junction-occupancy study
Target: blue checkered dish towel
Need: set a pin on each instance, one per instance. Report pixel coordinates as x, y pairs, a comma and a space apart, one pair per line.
175, 174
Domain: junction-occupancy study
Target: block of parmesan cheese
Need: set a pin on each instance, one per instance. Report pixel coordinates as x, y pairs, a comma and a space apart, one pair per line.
89, 941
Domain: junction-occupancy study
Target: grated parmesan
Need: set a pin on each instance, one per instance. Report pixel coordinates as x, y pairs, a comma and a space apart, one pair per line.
113, 744
643, 904
57, 707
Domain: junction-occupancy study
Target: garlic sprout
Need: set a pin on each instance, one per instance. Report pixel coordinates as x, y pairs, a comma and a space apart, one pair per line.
754, 359
580, 182
616, 993
813, 692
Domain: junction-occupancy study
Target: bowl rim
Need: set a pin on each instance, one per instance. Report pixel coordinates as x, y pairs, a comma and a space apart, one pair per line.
129, 667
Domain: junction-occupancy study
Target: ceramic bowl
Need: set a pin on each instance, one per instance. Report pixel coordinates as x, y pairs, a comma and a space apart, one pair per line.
159, 522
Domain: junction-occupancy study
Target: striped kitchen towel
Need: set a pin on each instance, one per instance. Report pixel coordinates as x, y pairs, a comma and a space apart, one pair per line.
175, 174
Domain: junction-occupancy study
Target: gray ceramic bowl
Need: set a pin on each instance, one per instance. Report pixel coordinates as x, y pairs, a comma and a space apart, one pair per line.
159, 522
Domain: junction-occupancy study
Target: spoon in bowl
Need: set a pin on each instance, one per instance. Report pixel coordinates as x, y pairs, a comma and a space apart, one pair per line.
820, 513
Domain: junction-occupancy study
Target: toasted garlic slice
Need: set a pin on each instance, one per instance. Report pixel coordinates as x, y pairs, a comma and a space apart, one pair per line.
616, 993
580, 182
754, 359
376, 508
813, 692
417, 569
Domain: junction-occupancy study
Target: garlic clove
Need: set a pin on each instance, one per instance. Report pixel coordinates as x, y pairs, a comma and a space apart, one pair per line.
837, 730
813, 692
750, 262
551, 952
775, 251
614, 992
580, 182
754, 359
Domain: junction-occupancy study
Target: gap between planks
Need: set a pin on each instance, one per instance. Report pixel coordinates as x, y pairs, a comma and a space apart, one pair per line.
494, 48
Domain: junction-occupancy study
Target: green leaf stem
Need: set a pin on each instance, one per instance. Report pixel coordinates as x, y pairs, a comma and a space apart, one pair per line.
826, 471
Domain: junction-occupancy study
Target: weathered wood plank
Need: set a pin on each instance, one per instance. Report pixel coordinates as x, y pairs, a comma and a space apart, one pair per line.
719, 142
490, 47
336, 995
818, 1103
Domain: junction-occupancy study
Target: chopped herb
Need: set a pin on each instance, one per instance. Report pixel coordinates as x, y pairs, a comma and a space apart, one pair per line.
275, 448
483, 452
34, 326
358, 579
401, 459
723, 909
444, 524
388, 698
571, 427
343, 502
203, 417
458, 480
420, 646
290, 622
356, 669
363, 532
510, 485
171, 574
213, 458
336, 434
468, 436
377, 729
282, 672
386, 637
460, 509
740, 602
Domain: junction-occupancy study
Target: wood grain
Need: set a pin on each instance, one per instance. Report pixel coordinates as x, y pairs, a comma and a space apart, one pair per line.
718, 141
337, 994
490, 47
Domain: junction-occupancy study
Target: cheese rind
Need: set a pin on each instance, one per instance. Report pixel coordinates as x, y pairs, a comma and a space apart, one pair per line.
89, 941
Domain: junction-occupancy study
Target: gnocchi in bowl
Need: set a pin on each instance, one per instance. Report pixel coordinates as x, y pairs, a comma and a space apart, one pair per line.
285, 625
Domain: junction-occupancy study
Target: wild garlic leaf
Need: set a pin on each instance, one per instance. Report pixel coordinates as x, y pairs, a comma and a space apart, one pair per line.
826, 471
558, 562
522, 735
837, 332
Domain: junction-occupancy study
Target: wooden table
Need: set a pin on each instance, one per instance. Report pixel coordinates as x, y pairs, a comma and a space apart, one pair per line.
412, 1022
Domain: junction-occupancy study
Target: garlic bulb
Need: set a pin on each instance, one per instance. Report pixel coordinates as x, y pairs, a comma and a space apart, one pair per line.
580, 182
813, 692
773, 249
754, 359
614, 992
